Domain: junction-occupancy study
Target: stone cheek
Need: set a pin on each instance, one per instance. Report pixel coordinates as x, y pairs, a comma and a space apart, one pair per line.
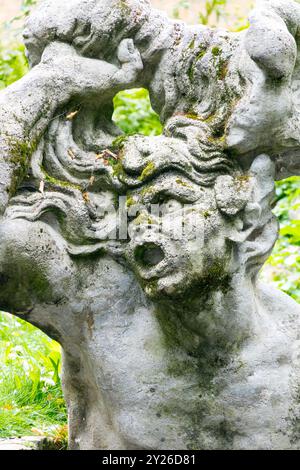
170, 341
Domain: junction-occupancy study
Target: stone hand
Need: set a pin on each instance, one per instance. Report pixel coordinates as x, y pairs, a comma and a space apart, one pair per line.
271, 40
271, 105
129, 54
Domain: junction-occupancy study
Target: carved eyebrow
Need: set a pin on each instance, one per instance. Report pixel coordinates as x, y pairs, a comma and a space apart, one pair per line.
178, 188
161, 196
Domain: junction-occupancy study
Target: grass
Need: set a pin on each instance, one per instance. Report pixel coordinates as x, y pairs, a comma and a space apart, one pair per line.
31, 400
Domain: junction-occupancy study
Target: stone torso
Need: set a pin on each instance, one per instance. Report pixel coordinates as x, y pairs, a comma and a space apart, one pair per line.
159, 396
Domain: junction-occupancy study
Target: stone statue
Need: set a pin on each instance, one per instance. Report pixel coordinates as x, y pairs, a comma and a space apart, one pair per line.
170, 341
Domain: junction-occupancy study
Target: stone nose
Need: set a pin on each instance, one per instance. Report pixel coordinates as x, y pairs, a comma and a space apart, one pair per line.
148, 255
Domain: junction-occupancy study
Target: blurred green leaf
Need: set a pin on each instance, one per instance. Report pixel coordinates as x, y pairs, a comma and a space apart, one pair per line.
134, 114
13, 65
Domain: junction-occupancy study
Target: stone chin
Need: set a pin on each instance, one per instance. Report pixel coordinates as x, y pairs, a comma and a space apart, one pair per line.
188, 282
184, 288
171, 285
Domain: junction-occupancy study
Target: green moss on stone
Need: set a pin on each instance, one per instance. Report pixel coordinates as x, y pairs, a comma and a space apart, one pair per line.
20, 154
222, 69
193, 116
147, 190
130, 201
56, 182
147, 171
119, 142
191, 70
206, 214
182, 183
125, 7
216, 50
118, 169
191, 44
200, 55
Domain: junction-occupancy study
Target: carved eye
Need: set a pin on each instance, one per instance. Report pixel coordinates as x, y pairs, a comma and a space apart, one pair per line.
161, 199
168, 204
172, 205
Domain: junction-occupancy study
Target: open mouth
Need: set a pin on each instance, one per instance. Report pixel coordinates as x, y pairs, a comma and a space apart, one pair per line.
148, 255
154, 259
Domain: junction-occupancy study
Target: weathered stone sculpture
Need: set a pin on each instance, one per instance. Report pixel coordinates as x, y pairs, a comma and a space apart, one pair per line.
170, 340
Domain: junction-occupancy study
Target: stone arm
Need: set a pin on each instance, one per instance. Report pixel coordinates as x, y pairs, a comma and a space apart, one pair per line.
25, 110
27, 107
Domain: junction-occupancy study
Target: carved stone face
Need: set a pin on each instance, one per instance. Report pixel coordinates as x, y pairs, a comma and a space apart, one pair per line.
177, 246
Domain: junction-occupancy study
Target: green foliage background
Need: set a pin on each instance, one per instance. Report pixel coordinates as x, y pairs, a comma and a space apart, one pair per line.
283, 267
30, 391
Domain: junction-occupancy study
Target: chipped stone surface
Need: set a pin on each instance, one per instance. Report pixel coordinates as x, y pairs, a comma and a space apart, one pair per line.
170, 342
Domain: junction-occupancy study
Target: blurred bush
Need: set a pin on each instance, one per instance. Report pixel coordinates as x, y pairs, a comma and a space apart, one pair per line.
283, 267
13, 64
134, 114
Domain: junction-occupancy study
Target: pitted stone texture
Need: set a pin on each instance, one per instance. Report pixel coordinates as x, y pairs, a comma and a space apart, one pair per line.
170, 342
